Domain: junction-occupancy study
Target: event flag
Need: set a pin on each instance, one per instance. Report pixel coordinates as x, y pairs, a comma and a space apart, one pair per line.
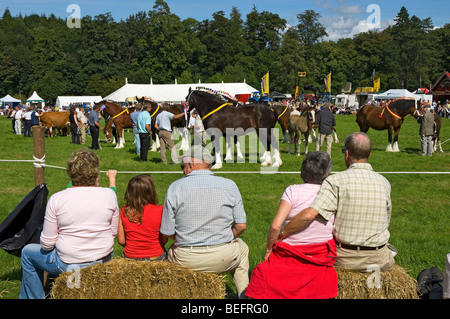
327, 81
376, 85
265, 84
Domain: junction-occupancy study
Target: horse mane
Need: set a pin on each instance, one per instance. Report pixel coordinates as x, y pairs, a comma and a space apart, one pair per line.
224, 96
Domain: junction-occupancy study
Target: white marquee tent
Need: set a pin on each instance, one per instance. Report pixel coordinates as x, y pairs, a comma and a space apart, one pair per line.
65, 101
395, 94
8, 99
35, 98
175, 92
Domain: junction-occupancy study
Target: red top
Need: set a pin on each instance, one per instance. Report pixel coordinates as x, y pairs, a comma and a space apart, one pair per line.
143, 240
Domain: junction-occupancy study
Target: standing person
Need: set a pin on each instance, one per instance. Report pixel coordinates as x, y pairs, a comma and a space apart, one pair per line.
133, 117
18, 121
196, 124
74, 125
34, 118
80, 225
427, 131
144, 126
164, 127
205, 216
27, 122
360, 201
94, 126
83, 123
12, 116
308, 255
140, 221
326, 121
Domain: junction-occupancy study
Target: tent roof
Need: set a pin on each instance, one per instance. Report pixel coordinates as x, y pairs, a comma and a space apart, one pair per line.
35, 98
67, 100
9, 99
395, 94
174, 92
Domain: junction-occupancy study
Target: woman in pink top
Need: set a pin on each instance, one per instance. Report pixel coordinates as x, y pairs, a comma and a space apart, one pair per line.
300, 266
80, 225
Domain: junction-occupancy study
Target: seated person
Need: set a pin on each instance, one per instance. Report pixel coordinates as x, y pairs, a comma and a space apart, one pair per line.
80, 225
140, 220
301, 265
205, 216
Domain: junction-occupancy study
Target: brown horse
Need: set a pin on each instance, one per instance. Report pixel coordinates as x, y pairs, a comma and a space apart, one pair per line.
298, 125
221, 118
117, 115
437, 132
390, 117
283, 112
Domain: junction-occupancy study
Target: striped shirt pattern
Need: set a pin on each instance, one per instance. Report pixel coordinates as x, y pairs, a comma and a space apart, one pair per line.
200, 209
360, 199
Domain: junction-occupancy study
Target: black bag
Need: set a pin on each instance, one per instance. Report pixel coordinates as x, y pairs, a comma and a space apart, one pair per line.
24, 224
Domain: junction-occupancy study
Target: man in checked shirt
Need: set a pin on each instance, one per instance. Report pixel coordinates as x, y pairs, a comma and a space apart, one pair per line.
360, 199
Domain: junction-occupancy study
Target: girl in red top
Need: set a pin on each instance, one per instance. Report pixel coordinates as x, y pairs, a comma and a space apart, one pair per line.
140, 220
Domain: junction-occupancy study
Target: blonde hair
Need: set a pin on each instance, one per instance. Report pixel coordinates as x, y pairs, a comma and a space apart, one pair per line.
140, 192
83, 168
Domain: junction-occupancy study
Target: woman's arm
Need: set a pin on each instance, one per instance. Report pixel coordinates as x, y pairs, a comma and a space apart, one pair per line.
274, 230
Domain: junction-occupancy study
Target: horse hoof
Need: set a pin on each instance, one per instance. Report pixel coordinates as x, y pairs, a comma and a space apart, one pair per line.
118, 147
265, 164
216, 166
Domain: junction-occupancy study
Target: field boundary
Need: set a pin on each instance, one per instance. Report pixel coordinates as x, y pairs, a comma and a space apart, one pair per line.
40, 163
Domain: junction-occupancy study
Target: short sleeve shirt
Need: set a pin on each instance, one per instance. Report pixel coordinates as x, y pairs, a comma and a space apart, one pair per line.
163, 121
200, 209
143, 119
361, 202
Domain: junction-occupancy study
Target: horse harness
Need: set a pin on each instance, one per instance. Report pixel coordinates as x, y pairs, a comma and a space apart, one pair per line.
126, 110
392, 113
216, 109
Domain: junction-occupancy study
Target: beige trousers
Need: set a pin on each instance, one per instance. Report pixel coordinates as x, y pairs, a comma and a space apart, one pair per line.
165, 137
230, 257
328, 140
364, 260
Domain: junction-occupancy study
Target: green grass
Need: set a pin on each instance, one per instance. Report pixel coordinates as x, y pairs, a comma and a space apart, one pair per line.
419, 226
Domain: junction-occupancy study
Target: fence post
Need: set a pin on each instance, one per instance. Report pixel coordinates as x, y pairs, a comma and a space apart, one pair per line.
39, 153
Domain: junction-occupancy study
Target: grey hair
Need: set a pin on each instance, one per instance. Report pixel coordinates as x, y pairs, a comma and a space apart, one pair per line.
316, 167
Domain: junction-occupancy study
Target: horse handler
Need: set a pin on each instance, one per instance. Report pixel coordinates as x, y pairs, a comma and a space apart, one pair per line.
164, 128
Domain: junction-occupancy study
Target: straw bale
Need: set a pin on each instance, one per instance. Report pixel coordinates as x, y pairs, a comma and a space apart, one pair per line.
130, 279
392, 284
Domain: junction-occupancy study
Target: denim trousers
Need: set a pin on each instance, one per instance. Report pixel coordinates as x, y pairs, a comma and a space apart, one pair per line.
137, 140
35, 261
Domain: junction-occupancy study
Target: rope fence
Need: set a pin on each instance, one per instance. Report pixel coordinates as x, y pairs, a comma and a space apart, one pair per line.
40, 163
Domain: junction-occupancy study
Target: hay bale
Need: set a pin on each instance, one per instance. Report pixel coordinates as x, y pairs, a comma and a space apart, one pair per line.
130, 279
392, 284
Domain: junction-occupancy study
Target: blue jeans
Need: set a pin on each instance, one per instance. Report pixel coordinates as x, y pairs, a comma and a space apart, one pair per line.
35, 261
137, 140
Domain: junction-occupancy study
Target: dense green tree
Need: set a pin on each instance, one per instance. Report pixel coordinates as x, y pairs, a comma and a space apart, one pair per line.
43, 53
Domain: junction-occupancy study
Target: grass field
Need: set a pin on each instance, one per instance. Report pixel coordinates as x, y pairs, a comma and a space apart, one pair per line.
419, 226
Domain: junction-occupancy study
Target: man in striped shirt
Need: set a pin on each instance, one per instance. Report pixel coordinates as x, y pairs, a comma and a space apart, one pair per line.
360, 200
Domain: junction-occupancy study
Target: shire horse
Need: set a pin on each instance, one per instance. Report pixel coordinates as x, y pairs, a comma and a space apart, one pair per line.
119, 117
298, 125
283, 112
389, 117
180, 123
221, 118
437, 132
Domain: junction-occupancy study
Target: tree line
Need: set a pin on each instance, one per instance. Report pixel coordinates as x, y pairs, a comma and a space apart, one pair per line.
40, 53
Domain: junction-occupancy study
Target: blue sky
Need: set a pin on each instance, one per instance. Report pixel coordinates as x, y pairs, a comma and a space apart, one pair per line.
342, 18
